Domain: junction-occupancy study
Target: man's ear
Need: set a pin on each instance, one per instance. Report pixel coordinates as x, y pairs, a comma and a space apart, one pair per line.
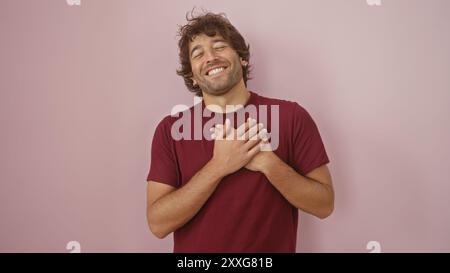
244, 62
194, 83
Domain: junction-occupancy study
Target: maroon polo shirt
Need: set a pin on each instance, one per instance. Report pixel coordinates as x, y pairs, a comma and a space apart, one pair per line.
245, 213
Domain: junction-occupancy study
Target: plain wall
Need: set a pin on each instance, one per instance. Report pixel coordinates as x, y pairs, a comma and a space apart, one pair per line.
83, 87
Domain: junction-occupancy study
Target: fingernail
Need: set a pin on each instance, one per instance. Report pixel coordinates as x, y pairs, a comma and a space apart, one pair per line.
213, 136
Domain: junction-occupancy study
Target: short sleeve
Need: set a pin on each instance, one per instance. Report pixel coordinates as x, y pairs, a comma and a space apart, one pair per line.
308, 148
163, 163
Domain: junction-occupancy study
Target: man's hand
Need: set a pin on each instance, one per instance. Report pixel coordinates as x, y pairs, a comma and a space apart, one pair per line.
234, 148
266, 157
261, 161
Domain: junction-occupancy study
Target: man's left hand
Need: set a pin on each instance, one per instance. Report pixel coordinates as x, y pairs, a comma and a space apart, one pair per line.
266, 157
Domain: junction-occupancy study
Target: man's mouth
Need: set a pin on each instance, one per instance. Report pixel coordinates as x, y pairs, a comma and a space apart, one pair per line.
215, 71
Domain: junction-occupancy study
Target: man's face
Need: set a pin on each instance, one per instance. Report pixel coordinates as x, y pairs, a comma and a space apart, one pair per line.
216, 66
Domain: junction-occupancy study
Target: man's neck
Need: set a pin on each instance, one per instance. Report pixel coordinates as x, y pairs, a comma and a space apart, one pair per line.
238, 95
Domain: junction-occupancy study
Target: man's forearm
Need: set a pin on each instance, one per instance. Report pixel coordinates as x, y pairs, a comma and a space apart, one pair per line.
302, 192
178, 207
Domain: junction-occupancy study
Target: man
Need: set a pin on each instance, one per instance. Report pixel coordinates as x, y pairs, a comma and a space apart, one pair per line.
223, 192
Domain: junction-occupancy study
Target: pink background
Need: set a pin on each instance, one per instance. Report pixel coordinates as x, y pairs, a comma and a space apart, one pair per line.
83, 87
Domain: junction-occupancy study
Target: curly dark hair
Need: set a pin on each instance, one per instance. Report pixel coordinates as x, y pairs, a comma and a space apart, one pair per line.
210, 24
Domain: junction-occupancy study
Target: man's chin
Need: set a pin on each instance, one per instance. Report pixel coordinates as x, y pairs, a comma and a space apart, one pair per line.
217, 91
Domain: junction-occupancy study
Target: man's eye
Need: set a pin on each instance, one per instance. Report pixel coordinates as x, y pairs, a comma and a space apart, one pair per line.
197, 55
220, 47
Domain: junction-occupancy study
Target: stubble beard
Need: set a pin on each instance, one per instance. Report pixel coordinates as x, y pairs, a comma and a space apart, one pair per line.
221, 86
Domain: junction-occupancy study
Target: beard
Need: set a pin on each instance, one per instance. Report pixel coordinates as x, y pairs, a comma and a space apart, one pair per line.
222, 84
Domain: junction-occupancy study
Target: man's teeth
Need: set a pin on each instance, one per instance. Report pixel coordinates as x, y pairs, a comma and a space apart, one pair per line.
215, 71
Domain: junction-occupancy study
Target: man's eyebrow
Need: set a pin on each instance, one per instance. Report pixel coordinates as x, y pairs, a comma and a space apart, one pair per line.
219, 40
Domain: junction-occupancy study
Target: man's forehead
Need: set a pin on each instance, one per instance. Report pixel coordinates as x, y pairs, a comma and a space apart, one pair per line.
201, 38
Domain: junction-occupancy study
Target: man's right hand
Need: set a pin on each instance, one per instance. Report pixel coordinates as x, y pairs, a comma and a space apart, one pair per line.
234, 148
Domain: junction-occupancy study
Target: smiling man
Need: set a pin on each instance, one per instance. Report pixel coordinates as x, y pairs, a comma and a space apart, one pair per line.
224, 192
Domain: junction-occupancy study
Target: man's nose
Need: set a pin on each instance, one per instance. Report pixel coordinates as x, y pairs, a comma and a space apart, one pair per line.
210, 56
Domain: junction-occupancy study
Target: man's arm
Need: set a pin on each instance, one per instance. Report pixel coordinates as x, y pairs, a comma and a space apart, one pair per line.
312, 193
169, 208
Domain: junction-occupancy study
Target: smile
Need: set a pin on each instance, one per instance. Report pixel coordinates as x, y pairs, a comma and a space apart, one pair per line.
215, 71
